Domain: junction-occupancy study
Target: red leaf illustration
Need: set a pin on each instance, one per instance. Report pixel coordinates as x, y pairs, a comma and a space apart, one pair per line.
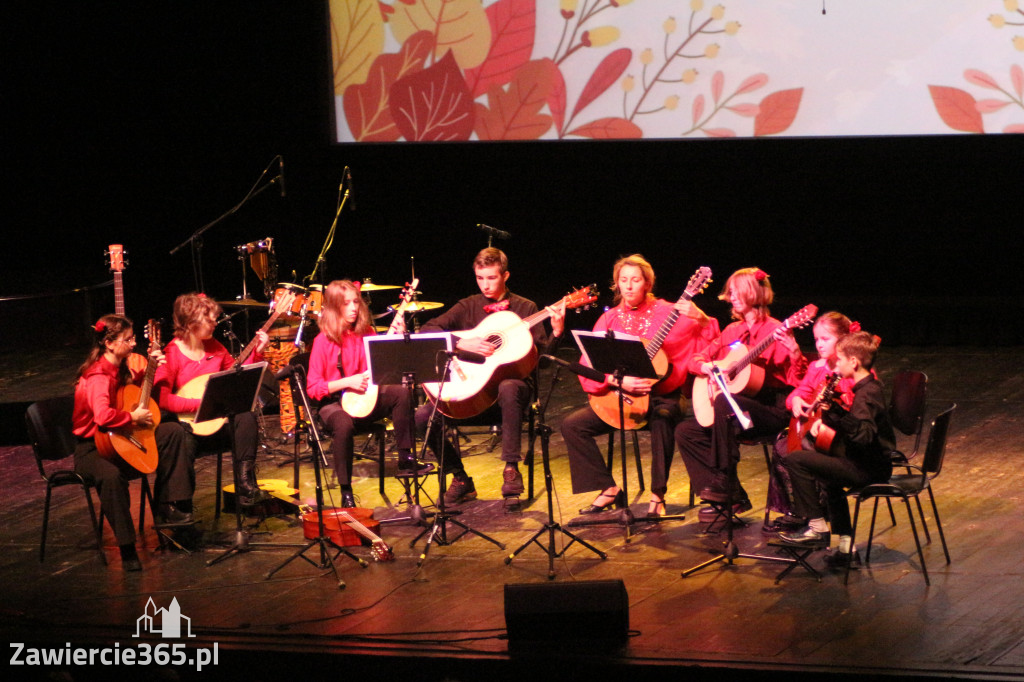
719, 132
752, 83
606, 73
366, 104
698, 108
980, 78
433, 105
609, 128
513, 24
745, 109
717, 83
987, 106
956, 108
778, 110
557, 100
1017, 78
515, 115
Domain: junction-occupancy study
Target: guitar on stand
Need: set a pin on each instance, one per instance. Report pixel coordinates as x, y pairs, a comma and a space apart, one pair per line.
136, 444
606, 406
740, 375
361, 403
800, 427
117, 261
195, 388
472, 388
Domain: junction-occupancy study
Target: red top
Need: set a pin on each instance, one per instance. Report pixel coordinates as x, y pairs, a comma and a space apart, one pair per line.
96, 400
812, 383
780, 369
687, 335
323, 361
179, 370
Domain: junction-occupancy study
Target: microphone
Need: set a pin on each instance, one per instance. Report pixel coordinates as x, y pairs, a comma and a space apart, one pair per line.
287, 371
351, 188
493, 231
575, 368
280, 173
466, 356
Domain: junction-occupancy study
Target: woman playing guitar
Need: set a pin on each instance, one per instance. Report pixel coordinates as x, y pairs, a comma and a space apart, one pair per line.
710, 452
96, 409
193, 353
639, 313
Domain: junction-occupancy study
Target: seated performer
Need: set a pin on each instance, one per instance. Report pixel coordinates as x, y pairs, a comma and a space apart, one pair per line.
99, 379
193, 353
639, 313
860, 455
491, 268
711, 452
338, 363
828, 329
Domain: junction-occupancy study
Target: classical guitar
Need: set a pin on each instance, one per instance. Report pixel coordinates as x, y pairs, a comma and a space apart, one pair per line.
379, 550
635, 407
800, 427
361, 403
135, 444
117, 261
195, 388
741, 376
473, 388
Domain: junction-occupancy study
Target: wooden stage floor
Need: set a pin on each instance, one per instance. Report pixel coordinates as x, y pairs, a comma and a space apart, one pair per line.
446, 620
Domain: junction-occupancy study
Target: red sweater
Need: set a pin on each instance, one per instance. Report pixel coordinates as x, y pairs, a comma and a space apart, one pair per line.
323, 362
179, 370
780, 369
96, 400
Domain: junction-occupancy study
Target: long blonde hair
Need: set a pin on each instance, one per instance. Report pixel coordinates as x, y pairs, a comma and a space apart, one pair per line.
753, 287
331, 321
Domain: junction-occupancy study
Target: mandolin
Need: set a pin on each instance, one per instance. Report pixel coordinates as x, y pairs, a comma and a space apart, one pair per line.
361, 403
473, 388
195, 388
800, 427
606, 406
741, 376
136, 444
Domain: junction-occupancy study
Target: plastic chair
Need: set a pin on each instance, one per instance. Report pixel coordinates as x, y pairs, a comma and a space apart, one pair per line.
911, 484
49, 428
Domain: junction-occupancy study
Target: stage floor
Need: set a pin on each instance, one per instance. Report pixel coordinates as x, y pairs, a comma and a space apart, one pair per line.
446, 619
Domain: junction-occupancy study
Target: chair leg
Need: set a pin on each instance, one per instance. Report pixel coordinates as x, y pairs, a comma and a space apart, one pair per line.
871, 533
639, 466
768, 463
611, 449
917, 541
530, 435
853, 540
382, 434
892, 514
46, 520
220, 479
938, 524
924, 524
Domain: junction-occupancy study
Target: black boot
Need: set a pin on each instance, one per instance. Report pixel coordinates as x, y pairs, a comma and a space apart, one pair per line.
249, 492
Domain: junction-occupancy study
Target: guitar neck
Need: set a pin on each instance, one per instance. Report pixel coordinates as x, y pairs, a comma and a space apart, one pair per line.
118, 293
358, 527
255, 339
654, 345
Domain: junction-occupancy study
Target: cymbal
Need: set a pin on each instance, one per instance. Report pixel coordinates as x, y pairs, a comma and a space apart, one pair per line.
243, 303
417, 306
370, 286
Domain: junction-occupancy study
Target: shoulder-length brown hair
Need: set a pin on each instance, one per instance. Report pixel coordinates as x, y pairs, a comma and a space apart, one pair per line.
638, 261
753, 287
331, 322
107, 328
189, 310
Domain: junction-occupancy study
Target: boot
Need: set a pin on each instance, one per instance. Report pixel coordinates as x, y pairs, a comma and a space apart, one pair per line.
249, 492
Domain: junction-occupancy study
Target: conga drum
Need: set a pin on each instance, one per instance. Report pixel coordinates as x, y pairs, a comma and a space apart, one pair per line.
301, 294
278, 353
315, 301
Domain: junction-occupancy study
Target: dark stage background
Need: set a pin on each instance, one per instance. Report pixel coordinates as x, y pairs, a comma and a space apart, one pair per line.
138, 123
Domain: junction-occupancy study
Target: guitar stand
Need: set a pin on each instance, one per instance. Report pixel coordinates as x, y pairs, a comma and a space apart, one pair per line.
322, 541
438, 530
544, 431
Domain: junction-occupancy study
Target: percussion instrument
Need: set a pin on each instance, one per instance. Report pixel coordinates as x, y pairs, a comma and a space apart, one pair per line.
283, 333
417, 306
367, 285
315, 301
241, 303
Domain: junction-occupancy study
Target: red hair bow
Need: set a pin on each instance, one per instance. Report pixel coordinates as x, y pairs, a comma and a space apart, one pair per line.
100, 326
760, 275
854, 326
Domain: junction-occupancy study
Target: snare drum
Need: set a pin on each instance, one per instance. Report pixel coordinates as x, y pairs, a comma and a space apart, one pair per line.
315, 301
301, 294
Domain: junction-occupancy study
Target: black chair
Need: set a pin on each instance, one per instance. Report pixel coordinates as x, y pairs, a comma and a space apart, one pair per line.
49, 428
906, 409
911, 484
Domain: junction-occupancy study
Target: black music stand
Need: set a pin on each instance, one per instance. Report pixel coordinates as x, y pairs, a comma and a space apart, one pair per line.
544, 431
406, 359
229, 393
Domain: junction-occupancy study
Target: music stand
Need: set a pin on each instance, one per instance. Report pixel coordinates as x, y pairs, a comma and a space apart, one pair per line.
229, 393
406, 359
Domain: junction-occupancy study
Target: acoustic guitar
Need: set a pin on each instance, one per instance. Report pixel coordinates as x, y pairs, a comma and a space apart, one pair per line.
472, 388
117, 261
742, 376
136, 444
195, 388
800, 427
361, 403
635, 407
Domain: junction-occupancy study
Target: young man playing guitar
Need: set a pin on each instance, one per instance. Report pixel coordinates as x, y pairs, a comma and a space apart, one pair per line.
513, 394
639, 313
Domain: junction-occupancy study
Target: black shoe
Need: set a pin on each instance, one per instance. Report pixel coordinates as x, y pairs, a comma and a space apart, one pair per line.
513, 483
837, 560
249, 492
348, 500
783, 523
618, 500
169, 515
409, 465
709, 514
806, 537
130, 559
460, 490
714, 494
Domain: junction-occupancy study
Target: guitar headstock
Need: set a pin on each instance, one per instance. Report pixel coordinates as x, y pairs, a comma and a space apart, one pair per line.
283, 302
381, 552
153, 334
409, 291
117, 259
699, 282
581, 298
802, 317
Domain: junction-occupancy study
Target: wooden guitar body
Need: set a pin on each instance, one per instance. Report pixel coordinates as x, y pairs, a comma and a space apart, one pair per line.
748, 381
634, 407
141, 453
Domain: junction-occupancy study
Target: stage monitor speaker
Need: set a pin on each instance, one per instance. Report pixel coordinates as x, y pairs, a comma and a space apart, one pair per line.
594, 610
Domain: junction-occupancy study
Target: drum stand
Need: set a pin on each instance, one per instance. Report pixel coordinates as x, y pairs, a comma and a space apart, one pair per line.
438, 531
322, 540
544, 431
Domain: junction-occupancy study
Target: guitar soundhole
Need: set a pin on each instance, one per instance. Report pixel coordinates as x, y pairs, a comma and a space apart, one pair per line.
496, 340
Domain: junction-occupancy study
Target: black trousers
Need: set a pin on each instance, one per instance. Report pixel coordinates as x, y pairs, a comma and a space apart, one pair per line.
809, 469
392, 401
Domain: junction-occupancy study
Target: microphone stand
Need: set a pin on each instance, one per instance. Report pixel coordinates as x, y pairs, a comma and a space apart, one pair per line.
544, 431
197, 244
329, 241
